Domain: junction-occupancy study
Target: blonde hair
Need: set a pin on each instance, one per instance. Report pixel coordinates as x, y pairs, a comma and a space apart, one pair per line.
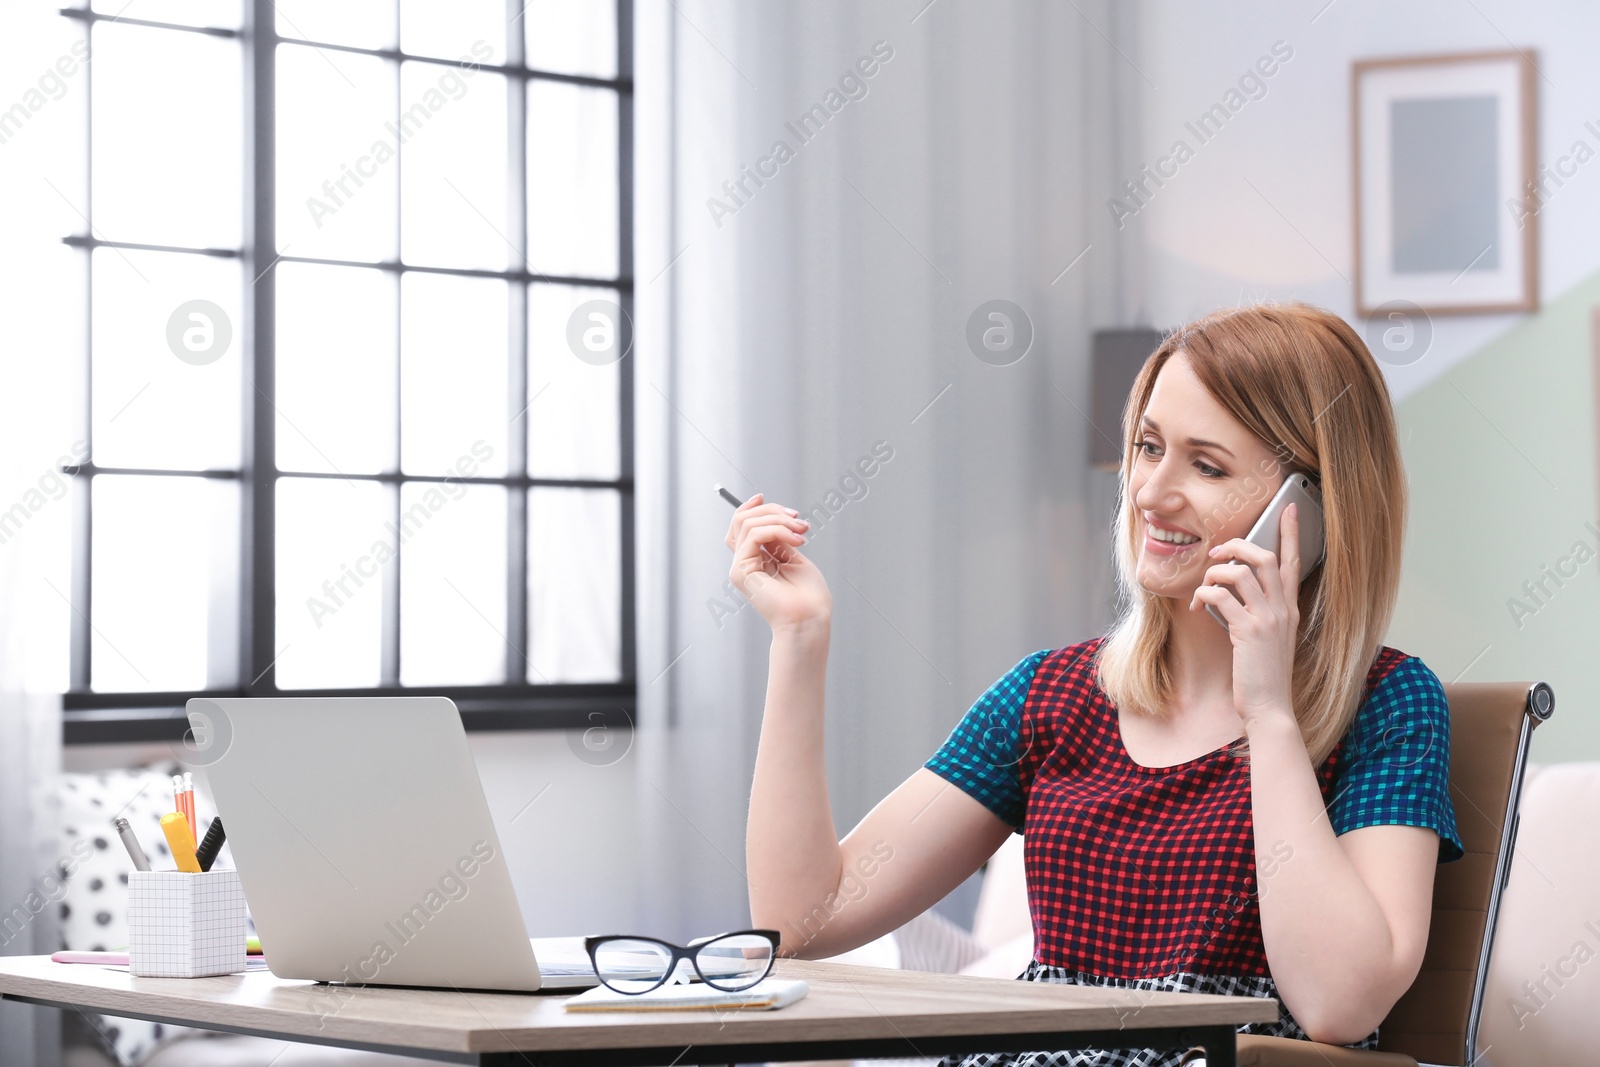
1300, 379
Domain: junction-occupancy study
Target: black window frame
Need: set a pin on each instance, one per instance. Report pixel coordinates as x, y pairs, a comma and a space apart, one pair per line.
103, 717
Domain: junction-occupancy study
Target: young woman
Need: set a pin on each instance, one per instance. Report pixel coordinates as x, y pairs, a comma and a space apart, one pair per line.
1253, 811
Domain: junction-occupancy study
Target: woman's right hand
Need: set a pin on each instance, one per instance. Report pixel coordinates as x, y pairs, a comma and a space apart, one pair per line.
769, 569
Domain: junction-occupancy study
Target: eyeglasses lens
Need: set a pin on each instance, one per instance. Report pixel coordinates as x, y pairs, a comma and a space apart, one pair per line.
631, 966
735, 962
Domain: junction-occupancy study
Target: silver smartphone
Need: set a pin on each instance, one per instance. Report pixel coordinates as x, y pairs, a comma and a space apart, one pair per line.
1296, 489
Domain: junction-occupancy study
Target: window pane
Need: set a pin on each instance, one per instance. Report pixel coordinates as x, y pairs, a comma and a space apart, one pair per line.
453, 584
151, 408
223, 14
574, 595
167, 115
361, 23
338, 167
332, 542
336, 369
453, 168
475, 28
161, 545
572, 36
572, 180
572, 419
453, 373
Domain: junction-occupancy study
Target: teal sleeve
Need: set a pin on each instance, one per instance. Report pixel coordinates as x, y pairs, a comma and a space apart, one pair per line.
982, 752
1395, 768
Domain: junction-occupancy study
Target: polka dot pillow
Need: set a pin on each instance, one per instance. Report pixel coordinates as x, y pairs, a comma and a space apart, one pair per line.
94, 910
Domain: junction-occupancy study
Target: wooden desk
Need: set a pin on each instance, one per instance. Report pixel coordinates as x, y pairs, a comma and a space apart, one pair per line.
851, 1012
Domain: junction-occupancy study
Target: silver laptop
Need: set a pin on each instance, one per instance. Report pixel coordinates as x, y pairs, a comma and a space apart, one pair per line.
365, 845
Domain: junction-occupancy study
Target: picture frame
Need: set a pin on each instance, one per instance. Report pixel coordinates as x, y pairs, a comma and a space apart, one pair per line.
1444, 183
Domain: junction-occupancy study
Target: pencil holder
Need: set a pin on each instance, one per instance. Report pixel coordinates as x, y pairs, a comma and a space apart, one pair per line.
183, 925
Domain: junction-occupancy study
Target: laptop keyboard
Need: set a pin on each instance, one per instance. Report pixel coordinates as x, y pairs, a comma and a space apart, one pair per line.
561, 956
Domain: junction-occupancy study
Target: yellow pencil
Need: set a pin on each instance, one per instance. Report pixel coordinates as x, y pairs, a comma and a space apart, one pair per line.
179, 839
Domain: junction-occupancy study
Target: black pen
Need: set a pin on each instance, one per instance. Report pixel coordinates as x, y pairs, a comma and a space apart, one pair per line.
206, 854
736, 502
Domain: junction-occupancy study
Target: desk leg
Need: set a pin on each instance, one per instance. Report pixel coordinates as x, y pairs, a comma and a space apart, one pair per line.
1222, 1049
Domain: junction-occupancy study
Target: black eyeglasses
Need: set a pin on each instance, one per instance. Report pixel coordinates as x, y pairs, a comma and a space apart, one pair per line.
729, 962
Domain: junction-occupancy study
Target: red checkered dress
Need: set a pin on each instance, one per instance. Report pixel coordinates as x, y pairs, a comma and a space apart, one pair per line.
1145, 877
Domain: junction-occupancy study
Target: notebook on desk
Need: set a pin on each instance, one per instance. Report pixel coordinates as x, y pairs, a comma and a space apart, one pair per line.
765, 994
365, 845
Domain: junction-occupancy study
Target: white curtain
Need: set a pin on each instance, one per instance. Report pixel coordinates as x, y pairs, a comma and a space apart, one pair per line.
35, 514
30, 881
41, 178
825, 316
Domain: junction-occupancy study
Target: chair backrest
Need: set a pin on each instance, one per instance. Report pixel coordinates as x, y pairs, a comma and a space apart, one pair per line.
1436, 1022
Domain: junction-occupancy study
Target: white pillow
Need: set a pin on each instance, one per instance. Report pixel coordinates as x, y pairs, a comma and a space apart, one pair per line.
1006, 961
94, 909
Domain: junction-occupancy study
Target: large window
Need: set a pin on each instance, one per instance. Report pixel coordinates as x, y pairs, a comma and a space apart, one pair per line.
357, 400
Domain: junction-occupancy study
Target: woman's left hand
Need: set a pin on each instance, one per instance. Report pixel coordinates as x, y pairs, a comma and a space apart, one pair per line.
1265, 627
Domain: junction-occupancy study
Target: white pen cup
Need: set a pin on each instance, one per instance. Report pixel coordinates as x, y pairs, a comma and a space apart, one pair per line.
185, 925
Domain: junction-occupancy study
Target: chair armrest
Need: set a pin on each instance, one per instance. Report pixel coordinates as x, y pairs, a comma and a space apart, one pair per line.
1258, 1051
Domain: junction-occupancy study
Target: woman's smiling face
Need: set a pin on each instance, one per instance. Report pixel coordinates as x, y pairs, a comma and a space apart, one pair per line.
1199, 478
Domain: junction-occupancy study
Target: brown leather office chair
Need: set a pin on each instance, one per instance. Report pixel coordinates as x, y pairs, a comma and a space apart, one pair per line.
1436, 1022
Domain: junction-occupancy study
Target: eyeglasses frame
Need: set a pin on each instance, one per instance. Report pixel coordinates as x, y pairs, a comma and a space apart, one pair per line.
679, 953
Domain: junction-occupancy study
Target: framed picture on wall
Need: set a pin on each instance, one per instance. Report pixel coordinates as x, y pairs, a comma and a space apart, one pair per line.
1446, 206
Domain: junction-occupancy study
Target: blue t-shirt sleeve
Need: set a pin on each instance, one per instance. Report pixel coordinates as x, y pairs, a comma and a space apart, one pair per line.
982, 753
1396, 766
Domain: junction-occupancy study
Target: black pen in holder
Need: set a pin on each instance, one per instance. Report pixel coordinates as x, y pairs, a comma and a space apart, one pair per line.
206, 854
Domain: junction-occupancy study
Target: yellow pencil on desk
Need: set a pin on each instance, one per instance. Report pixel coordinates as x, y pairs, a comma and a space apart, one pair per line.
180, 840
